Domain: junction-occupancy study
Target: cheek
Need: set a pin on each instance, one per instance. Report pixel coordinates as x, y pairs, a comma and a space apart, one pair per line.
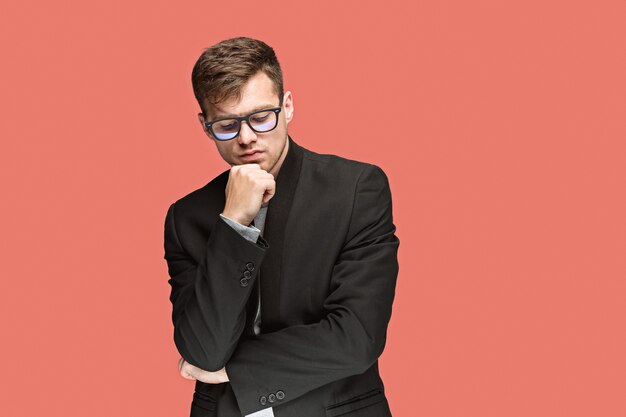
224, 151
222, 146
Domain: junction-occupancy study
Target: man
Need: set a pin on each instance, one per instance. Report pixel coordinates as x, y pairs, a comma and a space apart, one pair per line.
282, 268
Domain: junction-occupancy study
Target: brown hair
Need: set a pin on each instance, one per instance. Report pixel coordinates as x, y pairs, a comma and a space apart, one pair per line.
223, 69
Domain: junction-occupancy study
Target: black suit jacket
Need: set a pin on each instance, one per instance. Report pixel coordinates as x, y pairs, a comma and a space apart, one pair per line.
328, 268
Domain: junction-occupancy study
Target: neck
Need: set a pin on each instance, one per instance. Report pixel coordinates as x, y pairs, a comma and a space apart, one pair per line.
279, 163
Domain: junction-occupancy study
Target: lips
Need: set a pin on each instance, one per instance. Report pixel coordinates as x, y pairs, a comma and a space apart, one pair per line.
254, 156
250, 153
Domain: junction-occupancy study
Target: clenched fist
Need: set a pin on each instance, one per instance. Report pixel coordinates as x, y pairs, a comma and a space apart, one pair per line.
248, 187
189, 371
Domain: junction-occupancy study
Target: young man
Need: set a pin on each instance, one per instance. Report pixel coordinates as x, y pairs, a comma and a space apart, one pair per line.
282, 268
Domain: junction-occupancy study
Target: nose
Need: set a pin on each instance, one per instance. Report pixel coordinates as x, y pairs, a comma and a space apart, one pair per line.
246, 135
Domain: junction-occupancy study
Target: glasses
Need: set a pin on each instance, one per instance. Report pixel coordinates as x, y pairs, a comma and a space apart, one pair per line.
228, 128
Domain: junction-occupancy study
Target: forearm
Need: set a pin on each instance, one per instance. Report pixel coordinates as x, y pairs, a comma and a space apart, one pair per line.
346, 342
300, 359
209, 298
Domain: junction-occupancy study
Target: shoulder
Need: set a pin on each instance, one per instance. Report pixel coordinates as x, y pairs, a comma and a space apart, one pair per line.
342, 168
211, 194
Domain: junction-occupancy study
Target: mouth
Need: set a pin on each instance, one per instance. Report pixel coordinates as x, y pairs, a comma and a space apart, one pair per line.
251, 155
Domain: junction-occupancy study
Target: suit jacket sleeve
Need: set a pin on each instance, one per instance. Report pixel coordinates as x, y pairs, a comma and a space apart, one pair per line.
207, 295
351, 336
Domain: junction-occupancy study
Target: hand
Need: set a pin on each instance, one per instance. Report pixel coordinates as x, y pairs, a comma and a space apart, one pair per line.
189, 371
248, 187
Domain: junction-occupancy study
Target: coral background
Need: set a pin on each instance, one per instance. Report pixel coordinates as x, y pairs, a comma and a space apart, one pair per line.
501, 127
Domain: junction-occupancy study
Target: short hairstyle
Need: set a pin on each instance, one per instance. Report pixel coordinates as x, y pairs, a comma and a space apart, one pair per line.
222, 69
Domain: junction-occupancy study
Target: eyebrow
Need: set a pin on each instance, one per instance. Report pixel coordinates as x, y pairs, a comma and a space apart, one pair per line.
257, 108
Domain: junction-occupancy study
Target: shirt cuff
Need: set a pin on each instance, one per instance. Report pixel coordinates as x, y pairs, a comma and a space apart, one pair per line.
249, 232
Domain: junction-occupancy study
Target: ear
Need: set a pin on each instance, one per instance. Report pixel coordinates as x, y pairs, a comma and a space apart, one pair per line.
288, 106
201, 120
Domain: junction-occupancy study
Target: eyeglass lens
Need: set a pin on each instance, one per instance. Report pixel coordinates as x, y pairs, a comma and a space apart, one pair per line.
260, 122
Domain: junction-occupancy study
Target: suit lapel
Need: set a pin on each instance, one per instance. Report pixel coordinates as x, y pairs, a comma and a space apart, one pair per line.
274, 233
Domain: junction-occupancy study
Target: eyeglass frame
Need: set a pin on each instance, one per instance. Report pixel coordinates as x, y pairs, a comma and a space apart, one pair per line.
246, 119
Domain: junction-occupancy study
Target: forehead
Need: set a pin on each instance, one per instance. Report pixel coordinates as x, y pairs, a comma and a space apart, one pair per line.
257, 93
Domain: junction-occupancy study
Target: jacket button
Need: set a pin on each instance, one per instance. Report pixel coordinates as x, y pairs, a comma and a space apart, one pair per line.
280, 395
263, 400
271, 398
247, 274
243, 282
250, 266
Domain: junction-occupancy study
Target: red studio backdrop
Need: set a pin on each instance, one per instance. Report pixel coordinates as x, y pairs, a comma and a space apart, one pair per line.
500, 125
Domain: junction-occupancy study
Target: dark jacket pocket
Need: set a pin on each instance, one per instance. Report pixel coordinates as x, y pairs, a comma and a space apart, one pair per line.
202, 405
361, 401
